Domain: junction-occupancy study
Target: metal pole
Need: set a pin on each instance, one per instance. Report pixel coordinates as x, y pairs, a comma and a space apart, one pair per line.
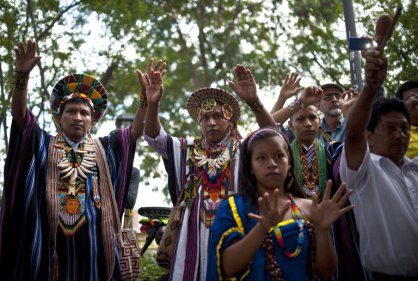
353, 56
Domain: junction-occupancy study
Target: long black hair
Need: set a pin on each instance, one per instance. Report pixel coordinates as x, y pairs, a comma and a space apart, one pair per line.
247, 181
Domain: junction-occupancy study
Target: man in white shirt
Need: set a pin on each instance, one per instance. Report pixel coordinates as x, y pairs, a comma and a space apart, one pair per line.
383, 179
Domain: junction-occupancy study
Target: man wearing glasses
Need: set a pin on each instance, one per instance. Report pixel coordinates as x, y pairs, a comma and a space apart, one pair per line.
332, 127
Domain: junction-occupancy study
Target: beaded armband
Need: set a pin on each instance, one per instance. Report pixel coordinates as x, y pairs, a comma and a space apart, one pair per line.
294, 103
257, 106
21, 80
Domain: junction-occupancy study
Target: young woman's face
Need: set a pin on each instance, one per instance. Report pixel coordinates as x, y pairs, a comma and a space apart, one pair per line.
270, 163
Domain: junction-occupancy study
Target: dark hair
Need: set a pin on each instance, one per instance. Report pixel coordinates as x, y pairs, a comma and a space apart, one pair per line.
381, 106
408, 85
247, 181
75, 100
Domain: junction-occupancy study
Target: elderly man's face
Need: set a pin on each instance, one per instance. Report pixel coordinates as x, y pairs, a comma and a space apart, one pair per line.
214, 126
75, 120
330, 103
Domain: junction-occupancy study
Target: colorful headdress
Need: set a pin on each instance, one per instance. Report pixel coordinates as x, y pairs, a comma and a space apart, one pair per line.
206, 99
81, 86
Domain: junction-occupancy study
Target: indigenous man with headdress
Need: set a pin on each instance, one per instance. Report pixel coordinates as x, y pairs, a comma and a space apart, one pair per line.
57, 222
201, 171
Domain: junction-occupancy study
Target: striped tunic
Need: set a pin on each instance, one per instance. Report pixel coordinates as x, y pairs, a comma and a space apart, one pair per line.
31, 245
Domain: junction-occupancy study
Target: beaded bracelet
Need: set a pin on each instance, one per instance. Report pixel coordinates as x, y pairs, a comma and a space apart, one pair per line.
257, 106
21, 80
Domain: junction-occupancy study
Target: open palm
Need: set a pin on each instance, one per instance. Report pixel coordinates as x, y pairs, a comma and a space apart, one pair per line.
290, 86
271, 211
154, 90
245, 86
329, 210
26, 58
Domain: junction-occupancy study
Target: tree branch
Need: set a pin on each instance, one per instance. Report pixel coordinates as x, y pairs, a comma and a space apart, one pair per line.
58, 17
41, 69
334, 79
109, 72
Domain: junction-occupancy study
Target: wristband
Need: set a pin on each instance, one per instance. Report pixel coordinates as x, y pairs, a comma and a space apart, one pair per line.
257, 106
21, 80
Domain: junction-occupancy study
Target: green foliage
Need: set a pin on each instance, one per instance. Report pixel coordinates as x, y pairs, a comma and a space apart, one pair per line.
150, 269
201, 41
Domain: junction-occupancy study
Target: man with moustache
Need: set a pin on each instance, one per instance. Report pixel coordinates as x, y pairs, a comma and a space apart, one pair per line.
384, 181
332, 126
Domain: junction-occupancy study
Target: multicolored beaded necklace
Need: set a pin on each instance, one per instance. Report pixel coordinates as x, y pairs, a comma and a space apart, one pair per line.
74, 169
298, 217
311, 170
212, 163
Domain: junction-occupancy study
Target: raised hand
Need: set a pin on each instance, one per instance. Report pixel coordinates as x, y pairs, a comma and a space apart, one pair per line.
271, 211
290, 86
375, 68
155, 89
245, 86
311, 95
26, 57
347, 100
323, 215
143, 80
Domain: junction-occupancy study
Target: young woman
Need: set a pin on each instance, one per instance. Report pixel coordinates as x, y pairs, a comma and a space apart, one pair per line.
268, 232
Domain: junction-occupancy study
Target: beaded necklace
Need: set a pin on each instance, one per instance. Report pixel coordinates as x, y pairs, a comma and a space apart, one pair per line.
203, 154
272, 266
212, 166
297, 215
73, 165
311, 175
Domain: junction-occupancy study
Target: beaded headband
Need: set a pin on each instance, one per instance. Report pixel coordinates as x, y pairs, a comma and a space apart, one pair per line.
251, 138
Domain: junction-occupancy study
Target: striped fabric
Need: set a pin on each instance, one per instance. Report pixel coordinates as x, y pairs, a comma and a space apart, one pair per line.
193, 239
32, 247
344, 231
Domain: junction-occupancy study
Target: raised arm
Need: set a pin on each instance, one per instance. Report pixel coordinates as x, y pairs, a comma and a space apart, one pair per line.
137, 127
310, 95
151, 91
289, 88
359, 116
347, 101
322, 216
26, 59
246, 89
